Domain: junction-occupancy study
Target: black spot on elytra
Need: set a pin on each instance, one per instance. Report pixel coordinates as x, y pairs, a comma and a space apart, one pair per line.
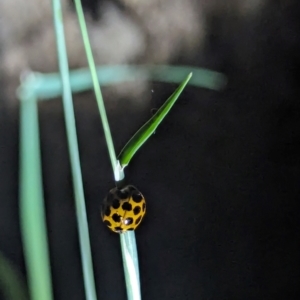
107, 223
137, 197
136, 210
127, 206
119, 229
116, 203
122, 194
116, 218
107, 211
138, 220
144, 206
128, 221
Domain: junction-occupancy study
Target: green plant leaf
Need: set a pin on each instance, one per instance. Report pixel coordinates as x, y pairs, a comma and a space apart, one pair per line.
83, 230
32, 210
142, 135
97, 90
49, 86
131, 265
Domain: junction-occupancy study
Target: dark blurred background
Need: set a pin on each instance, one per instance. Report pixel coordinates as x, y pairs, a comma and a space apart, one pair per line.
220, 176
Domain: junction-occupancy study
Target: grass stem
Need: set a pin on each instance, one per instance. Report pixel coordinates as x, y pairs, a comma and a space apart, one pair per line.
84, 240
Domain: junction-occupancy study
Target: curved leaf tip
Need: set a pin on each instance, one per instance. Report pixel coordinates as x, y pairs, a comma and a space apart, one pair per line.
143, 134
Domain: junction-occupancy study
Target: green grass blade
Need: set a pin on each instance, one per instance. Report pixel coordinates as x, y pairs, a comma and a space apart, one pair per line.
12, 284
202, 78
98, 94
128, 243
47, 86
32, 212
84, 240
130, 265
142, 135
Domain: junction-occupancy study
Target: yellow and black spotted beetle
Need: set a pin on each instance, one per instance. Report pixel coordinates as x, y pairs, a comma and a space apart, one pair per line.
123, 209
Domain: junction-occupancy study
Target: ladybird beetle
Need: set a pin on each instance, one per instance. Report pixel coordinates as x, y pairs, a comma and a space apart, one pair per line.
123, 209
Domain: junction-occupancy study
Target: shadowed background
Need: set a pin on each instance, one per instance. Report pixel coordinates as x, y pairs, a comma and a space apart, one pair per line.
220, 176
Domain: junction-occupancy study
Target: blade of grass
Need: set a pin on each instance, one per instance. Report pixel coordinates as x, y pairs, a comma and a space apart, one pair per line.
32, 212
97, 90
128, 243
203, 78
85, 248
46, 86
143, 134
130, 264
11, 283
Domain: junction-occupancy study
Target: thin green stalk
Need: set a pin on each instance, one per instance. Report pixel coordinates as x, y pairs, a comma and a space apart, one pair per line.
130, 265
128, 243
84, 239
32, 212
93, 70
47, 86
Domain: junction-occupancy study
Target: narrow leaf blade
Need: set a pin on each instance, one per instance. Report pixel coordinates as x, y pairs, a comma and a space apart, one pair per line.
143, 134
